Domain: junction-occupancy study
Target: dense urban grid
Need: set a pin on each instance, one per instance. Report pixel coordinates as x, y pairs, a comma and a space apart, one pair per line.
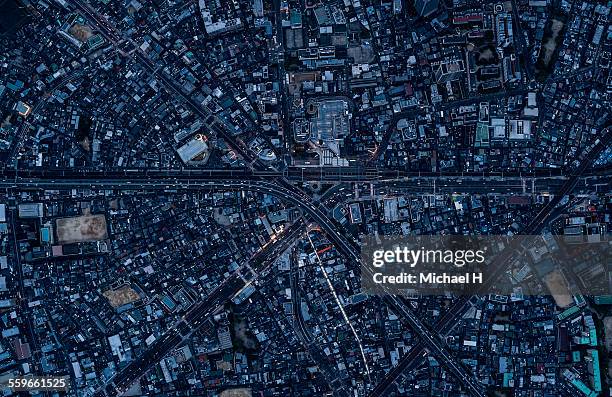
185, 185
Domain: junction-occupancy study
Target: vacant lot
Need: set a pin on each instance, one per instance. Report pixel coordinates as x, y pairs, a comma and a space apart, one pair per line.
558, 288
121, 296
361, 54
81, 228
221, 219
80, 32
241, 392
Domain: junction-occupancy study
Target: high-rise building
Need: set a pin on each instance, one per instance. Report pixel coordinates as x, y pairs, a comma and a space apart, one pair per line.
426, 7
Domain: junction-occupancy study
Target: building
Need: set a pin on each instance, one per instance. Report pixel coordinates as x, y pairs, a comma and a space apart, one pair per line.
426, 7
449, 70
520, 129
31, 210
214, 24
194, 150
330, 123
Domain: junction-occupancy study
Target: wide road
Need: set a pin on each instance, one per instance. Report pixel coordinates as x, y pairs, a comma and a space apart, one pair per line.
296, 174
46, 179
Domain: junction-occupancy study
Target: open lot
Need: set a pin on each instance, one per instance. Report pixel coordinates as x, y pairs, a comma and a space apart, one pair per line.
558, 288
121, 296
81, 32
240, 392
81, 228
